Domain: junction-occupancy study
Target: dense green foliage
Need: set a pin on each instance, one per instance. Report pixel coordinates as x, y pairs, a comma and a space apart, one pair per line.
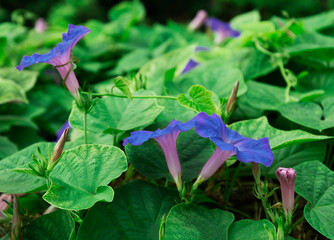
132, 77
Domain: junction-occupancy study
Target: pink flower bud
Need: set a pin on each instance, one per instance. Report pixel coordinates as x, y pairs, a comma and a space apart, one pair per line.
198, 20
287, 178
40, 25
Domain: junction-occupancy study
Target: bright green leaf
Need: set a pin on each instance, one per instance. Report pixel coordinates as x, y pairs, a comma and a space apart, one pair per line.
319, 21
25, 78
310, 114
131, 11
134, 214
191, 222
201, 100
252, 230
241, 19
215, 76
123, 84
322, 80
315, 183
7, 121
14, 182
118, 113
6, 147
173, 110
154, 70
54, 226
291, 156
82, 175
259, 128
11, 92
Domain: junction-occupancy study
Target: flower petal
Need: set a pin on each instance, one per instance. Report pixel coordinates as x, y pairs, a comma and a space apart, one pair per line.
35, 58
259, 151
191, 64
61, 53
218, 26
71, 38
139, 137
246, 149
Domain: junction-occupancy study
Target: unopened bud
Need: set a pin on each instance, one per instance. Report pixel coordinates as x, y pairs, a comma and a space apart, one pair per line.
50, 209
198, 20
58, 149
40, 25
287, 178
233, 98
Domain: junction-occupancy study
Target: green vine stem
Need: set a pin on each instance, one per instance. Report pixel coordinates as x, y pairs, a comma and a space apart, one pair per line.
85, 127
280, 63
123, 96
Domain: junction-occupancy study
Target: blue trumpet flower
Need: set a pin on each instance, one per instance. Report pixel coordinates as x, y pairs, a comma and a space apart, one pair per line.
59, 57
229, 143
167, 139
222, 29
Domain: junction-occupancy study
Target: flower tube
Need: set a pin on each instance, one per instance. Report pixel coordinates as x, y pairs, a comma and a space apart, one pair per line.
167, 139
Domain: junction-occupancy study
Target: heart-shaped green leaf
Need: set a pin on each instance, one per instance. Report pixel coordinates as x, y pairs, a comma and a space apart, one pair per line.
252, 230
54, 226
191, 222
6, 147
201, 100
259, 128
315, 183
118, 113
291, 156
15, 182
214, 76
11, 92
134, 214
310, 114
82, 175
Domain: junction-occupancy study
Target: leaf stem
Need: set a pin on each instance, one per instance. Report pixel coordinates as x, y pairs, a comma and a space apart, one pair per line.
123, 96
234, 178
85, 127
286, 78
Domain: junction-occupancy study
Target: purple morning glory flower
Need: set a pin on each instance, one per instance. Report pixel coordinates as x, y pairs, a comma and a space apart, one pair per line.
167, 139
222, 29
60, 57
229, 143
